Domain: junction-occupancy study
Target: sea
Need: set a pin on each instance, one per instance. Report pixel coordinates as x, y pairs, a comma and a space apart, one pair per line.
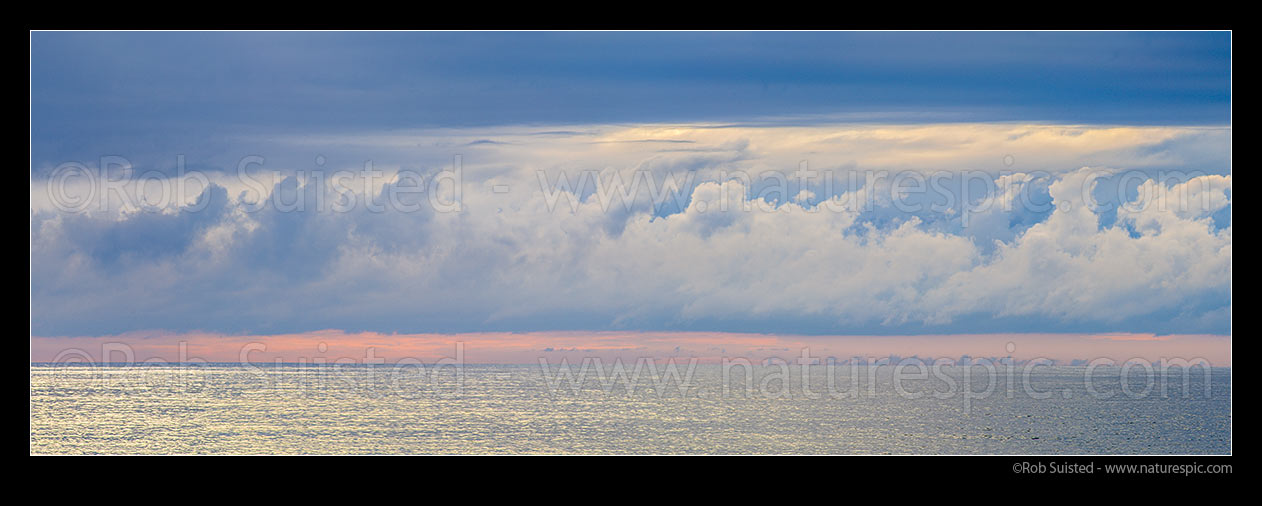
744, 409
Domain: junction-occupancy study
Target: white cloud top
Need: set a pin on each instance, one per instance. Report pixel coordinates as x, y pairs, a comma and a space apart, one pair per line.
1068, 228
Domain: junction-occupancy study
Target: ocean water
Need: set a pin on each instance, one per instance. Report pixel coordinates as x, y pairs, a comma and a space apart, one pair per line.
523, 409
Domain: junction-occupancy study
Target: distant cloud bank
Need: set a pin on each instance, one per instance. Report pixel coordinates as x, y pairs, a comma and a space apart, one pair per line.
819, 229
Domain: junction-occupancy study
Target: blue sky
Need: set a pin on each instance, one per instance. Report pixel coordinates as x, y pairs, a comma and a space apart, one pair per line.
513, 105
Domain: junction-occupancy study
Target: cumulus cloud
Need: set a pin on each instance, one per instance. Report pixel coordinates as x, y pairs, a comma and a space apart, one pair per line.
1050, 237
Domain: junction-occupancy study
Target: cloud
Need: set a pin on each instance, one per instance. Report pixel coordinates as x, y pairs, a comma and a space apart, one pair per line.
153, 95
1042, 244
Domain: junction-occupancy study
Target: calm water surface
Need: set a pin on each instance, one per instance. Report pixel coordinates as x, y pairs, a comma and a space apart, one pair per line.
290, 409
